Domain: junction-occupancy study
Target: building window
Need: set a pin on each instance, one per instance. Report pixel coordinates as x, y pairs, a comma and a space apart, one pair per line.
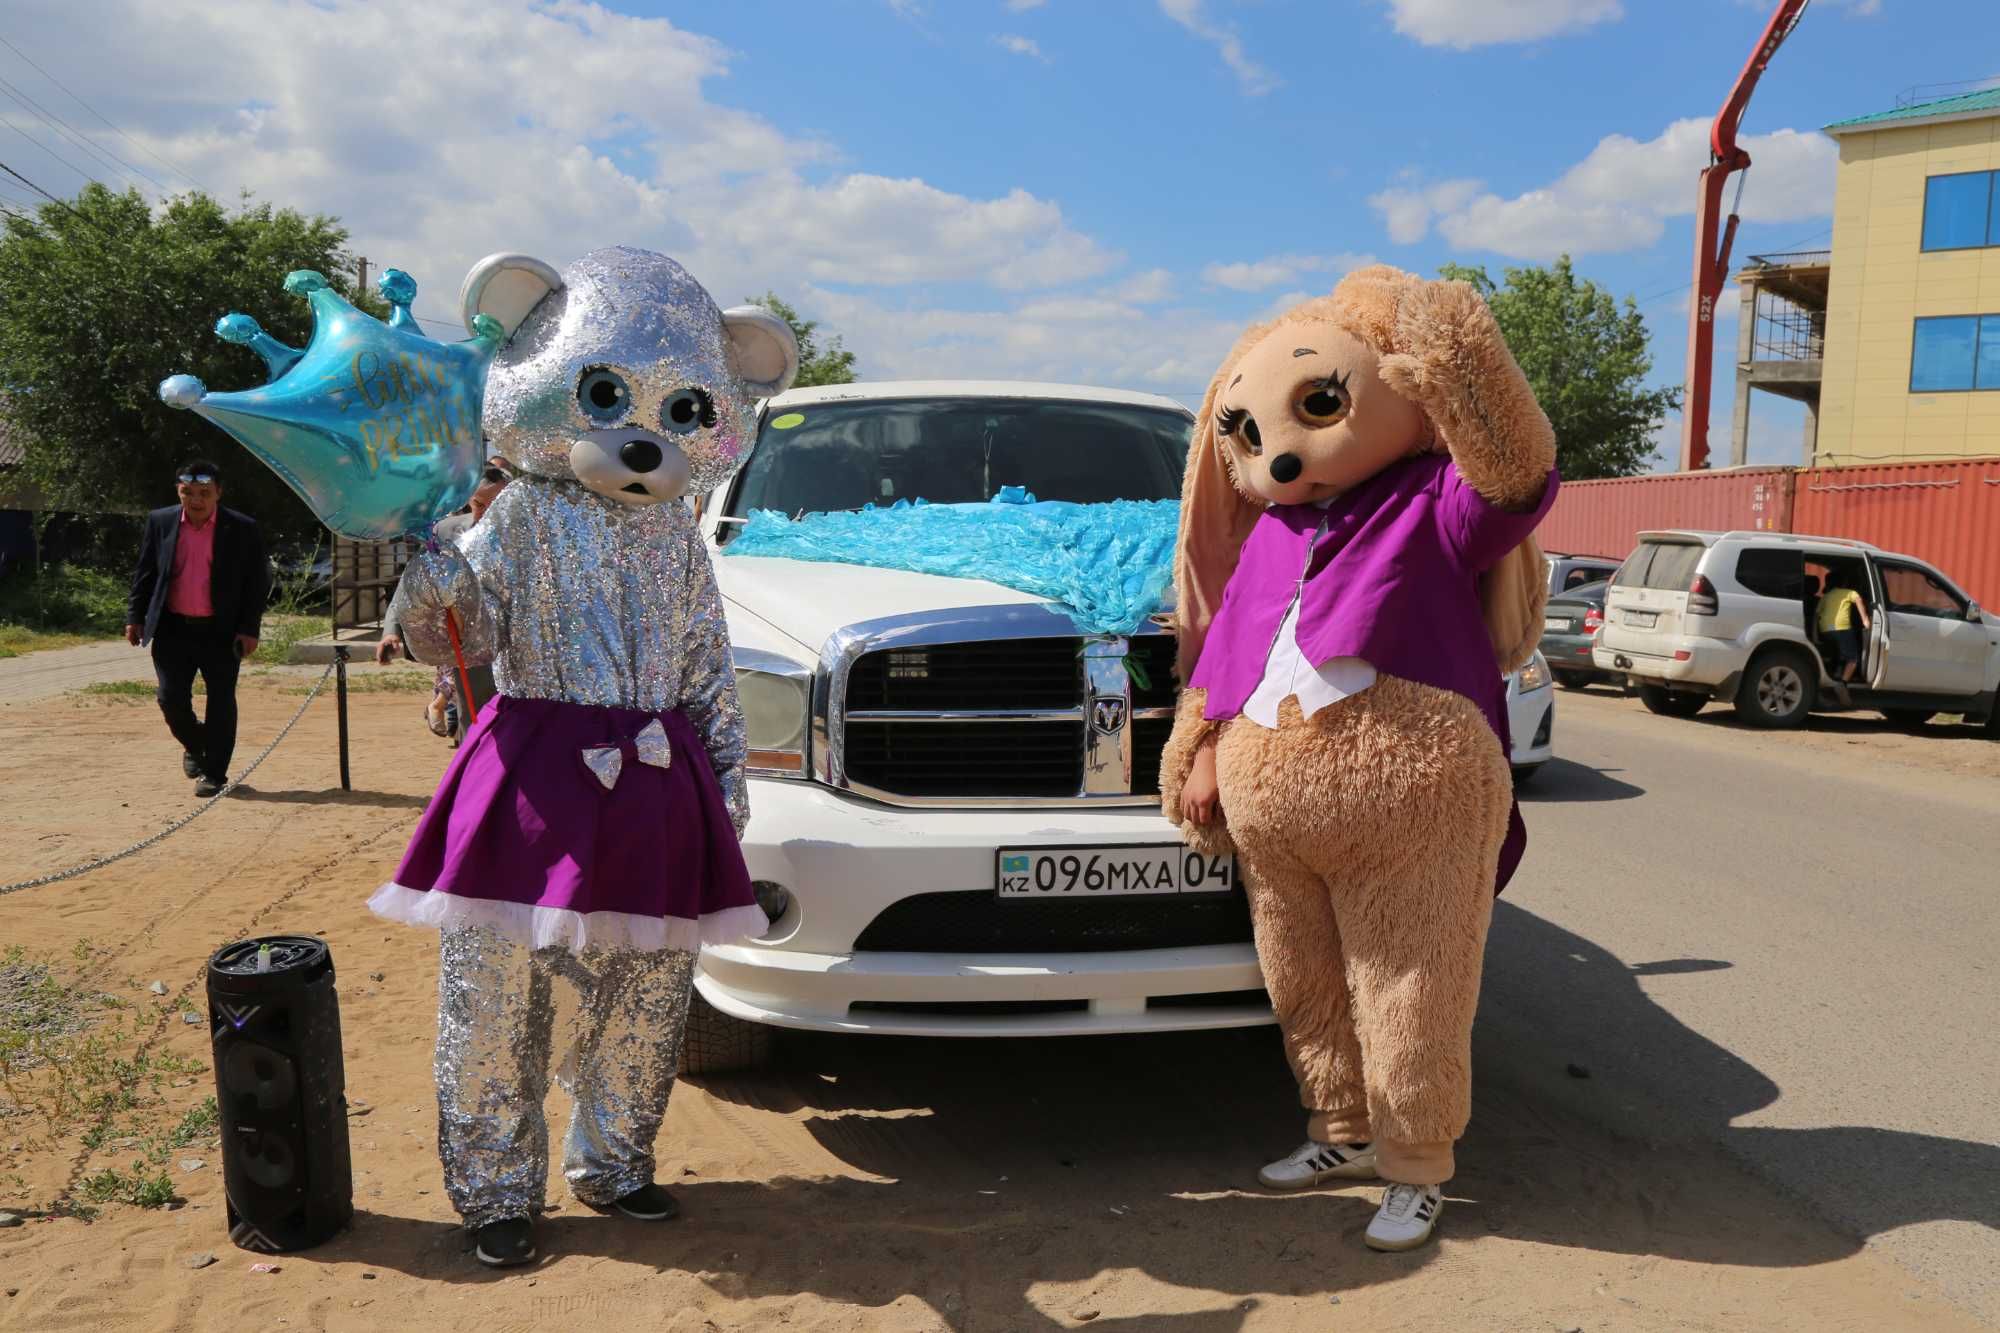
1955, 353
1959, 212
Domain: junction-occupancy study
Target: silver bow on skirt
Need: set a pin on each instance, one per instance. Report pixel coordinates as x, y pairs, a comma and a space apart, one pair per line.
650, 746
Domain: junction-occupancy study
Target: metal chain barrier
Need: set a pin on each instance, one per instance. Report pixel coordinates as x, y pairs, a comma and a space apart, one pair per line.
190, 816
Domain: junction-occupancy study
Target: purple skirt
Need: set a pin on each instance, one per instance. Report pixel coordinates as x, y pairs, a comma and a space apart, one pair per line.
524, 837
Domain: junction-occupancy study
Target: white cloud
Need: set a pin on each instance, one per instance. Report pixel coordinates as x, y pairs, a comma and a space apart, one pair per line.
489, 150
295, 102
1618, 197
1407, 210
1464, 24
1147, 288
908, 9
1191, 14
1081, 339
1021, 46
1264, 274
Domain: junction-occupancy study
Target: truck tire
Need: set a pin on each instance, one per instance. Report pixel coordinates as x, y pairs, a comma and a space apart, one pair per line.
1572, 680
719, 1043
1778, 689
1670, 703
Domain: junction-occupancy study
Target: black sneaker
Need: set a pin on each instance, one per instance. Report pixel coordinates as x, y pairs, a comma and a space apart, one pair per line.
190, 765
649, 1203
506, 1243
207, 787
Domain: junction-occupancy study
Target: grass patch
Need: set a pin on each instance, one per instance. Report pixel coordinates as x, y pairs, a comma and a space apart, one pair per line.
124, 691
59, 606
386, 682
141, 1188
76, 1064
282, 632
18, 639
201, 1122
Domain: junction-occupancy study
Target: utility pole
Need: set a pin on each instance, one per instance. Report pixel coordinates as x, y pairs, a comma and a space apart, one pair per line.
362, 280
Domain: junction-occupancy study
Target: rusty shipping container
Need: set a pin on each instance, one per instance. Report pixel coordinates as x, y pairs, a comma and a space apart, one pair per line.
1944, 513
1606, 517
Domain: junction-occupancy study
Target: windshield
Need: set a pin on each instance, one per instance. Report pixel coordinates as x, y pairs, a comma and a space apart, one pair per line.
843, 455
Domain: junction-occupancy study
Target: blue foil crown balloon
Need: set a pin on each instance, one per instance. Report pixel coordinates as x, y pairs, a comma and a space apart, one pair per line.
374, 425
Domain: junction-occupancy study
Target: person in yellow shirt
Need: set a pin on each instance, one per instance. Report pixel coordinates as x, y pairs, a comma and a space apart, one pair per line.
1842, 618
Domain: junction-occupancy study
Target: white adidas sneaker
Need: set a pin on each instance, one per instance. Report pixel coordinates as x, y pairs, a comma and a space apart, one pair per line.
1408, 1215
1310, 1163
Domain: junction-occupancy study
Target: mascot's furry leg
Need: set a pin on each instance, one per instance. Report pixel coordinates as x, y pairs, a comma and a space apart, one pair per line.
1371, 928
1299, 949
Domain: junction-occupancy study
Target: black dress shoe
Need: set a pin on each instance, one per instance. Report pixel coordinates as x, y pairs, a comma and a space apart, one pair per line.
190, 765
506, 1243
649, 1203
207, 787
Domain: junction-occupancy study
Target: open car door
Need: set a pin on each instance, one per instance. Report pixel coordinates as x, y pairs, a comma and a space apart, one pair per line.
1878, 630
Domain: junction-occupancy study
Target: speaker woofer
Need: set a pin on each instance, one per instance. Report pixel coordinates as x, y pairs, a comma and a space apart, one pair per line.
254, 1075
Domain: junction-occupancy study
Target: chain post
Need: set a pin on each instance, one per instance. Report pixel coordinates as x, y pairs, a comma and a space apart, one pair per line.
340, 708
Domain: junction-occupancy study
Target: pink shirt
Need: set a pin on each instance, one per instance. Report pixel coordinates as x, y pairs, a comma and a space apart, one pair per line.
194, 557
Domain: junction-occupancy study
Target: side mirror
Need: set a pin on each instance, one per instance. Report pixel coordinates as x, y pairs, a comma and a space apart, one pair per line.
1974, 614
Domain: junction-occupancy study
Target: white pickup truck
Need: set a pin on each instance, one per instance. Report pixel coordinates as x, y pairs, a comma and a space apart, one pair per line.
955, 823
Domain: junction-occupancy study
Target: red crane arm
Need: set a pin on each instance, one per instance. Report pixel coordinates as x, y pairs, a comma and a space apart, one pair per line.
1712, 238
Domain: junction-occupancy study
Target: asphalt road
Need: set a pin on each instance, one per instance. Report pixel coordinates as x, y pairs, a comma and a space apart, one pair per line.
1777, 944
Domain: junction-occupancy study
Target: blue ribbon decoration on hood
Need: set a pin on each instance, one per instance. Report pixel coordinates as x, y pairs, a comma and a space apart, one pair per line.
1108, 567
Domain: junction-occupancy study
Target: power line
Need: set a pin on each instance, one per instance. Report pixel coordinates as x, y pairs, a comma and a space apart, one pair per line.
101, 116
51, 152
61, 203
75, 136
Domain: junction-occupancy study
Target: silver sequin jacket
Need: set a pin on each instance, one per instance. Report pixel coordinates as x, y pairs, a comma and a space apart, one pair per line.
573, 596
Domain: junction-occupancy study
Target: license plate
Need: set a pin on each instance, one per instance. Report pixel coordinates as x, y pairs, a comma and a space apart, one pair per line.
1556, 623
1150, 870
1642, 619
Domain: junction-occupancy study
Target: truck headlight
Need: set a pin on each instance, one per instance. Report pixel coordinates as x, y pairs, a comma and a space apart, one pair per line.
1535, 675
776, 694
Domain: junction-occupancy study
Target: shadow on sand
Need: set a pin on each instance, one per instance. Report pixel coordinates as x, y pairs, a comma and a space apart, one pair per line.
972, 1174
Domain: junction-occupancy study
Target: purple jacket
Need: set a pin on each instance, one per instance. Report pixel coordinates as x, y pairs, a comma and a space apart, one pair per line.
1394, 581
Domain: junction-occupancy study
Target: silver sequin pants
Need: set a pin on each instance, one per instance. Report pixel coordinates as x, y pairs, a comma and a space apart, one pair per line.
496, 1013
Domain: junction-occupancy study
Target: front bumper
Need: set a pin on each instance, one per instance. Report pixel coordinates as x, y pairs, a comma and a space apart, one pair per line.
1531, 718
844, 861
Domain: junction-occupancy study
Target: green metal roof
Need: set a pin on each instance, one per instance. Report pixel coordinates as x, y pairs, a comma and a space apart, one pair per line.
1965, 104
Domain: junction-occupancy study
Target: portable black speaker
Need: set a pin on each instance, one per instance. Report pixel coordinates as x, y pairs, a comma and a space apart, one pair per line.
279, 1085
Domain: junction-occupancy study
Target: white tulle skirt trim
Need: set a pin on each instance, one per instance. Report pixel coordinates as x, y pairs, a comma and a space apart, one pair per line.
559, 927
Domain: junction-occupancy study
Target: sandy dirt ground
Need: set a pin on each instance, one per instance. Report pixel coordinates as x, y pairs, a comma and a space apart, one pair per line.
864, 1185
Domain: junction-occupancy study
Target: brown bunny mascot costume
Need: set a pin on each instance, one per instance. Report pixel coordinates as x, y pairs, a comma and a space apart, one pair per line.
1355, 577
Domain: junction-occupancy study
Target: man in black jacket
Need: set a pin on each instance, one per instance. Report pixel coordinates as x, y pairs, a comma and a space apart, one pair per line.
198, 598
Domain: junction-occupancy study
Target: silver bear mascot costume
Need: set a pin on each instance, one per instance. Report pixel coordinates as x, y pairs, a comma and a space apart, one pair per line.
588, 826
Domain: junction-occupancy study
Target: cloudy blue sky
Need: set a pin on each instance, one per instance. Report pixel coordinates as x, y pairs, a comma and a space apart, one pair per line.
1100, 191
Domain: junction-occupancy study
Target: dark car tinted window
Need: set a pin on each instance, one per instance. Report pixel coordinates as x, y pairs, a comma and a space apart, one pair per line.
1590, 594
1772, 573
843, 455
1666, 565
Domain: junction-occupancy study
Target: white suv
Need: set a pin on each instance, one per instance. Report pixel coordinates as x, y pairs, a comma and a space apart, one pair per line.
1694, 617
955, 818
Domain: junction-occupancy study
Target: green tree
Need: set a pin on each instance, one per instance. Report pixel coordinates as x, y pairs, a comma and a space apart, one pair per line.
832, 364
1587, 357
104, 296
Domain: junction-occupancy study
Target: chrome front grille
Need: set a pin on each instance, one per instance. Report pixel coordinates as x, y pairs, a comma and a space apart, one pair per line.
993, 706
